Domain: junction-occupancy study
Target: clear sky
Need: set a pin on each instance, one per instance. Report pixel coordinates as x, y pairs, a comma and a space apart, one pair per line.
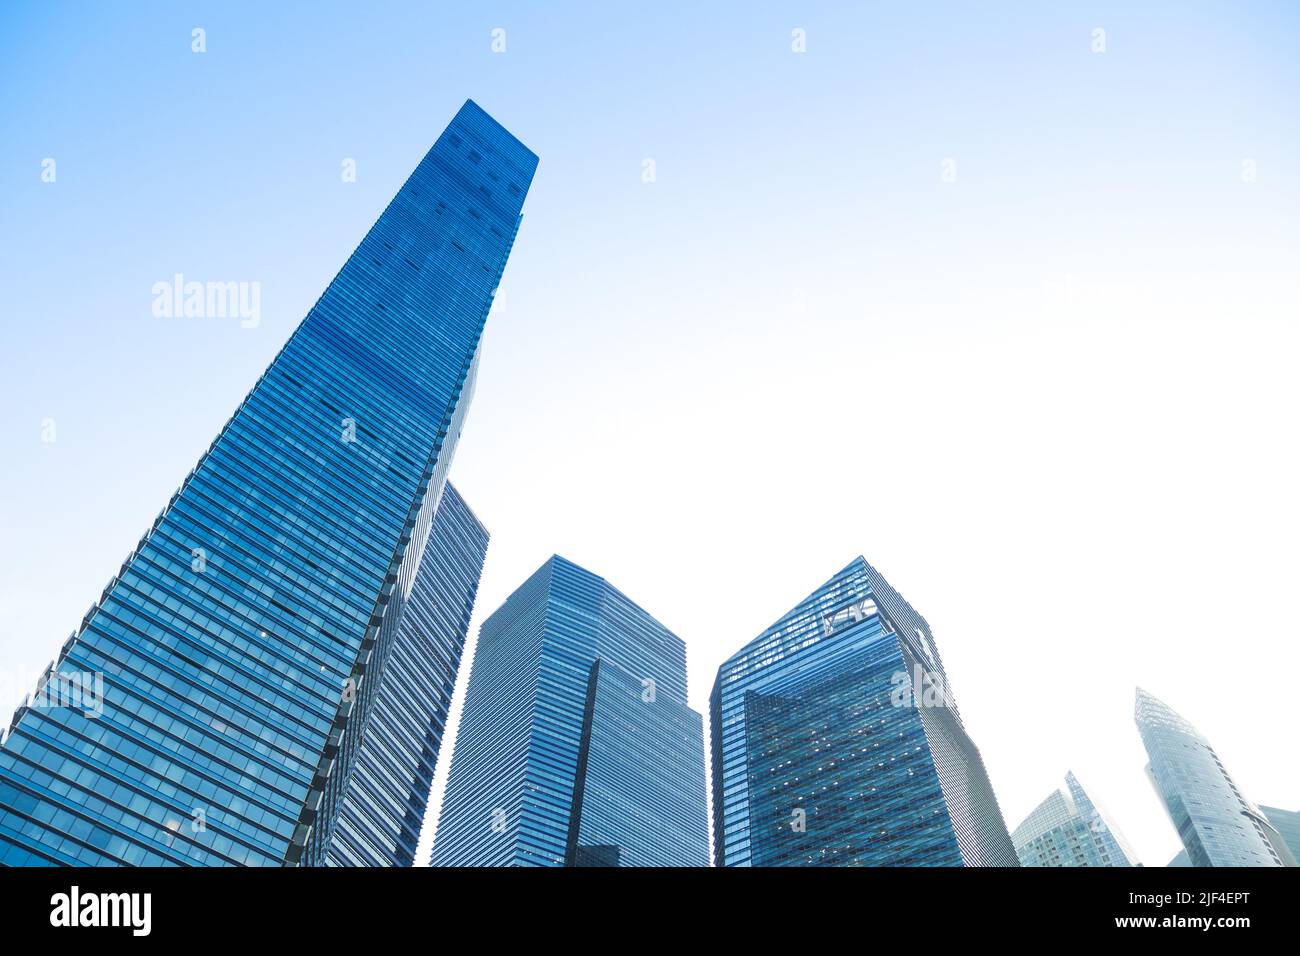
1014, 319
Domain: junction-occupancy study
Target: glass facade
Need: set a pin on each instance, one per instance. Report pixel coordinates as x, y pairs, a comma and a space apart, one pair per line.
379, 822
1070, 829
623, 799
240, 647
837, 742
1217, 824
1286, 823
575, 746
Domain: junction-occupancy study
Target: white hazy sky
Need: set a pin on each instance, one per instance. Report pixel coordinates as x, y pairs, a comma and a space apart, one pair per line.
1053, 401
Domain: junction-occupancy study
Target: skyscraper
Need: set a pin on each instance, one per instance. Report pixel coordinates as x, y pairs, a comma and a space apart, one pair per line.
1283, 832
576, 746
1286, 823
837, 742
1217, 824
240, 647
1069, 829
379, 823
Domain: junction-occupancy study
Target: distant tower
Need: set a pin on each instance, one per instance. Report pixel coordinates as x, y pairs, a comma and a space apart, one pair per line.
1286, 823
1217, 824
1069, 829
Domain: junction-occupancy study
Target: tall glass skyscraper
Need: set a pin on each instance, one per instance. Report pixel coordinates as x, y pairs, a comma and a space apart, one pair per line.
1069, 829
576, 746
241, 647
379, 823
837, 742
1217, 824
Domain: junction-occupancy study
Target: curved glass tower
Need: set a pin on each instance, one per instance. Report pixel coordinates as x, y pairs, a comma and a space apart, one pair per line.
235, 660
1217, 824
1069, 829
837, 742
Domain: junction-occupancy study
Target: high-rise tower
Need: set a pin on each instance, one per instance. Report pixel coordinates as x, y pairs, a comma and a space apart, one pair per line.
379, 823
1070, 829
1217, 824
837, 742
241, 646
576, 746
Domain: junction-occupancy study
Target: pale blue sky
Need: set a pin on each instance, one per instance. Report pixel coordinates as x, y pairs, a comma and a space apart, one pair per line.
1053, 400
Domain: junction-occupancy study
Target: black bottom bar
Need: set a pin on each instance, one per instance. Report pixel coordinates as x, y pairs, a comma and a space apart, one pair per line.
678, 908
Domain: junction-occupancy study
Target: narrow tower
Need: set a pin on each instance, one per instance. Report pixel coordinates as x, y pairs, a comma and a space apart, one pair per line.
379, 823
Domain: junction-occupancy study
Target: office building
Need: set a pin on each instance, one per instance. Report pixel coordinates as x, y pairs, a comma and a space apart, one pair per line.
241, 646
576, 746
1069, 829
837, 741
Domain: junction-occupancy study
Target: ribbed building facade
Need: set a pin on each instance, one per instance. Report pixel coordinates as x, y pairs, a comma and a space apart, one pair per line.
386, 797
1070, 829
837, 742
576, 746
1218, 826
240, 646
